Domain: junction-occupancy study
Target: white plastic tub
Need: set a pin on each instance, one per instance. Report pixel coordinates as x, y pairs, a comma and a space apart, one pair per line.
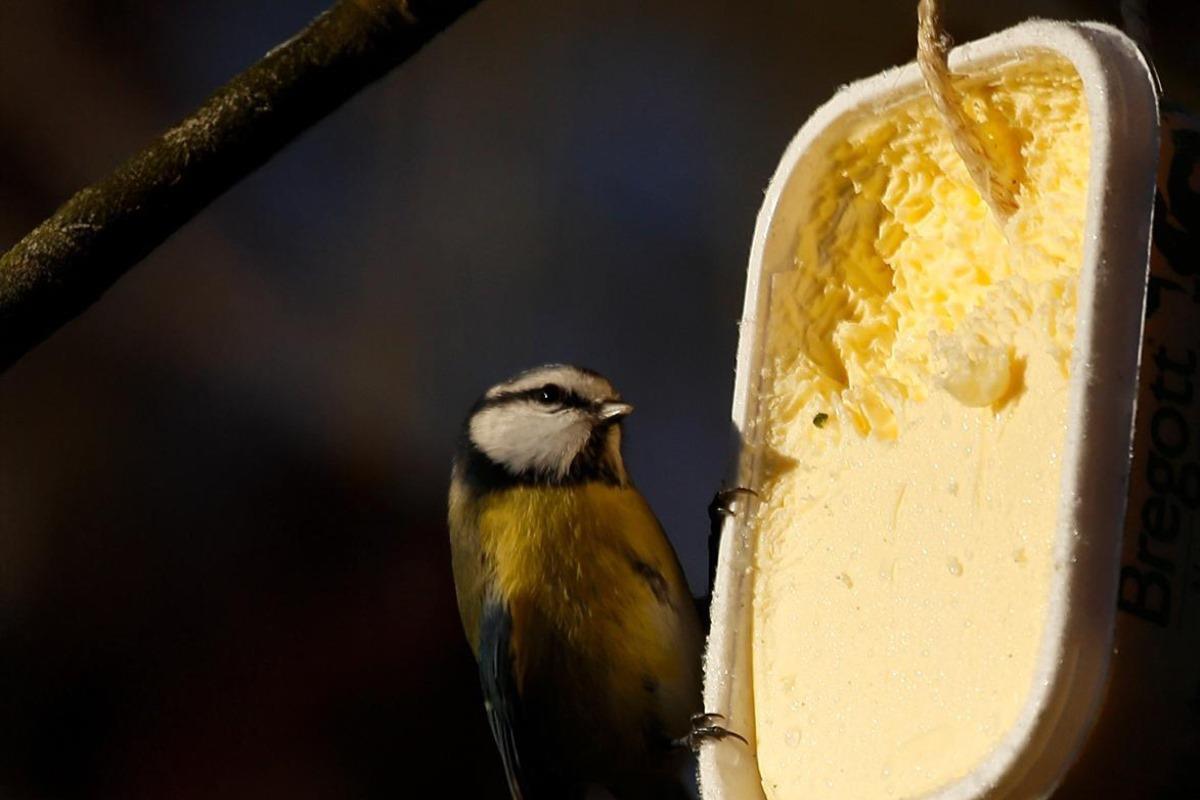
1076, 650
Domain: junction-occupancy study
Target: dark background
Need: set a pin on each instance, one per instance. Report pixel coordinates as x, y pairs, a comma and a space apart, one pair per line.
223, 561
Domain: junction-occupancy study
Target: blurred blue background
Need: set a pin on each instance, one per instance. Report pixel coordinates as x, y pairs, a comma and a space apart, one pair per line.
223, 562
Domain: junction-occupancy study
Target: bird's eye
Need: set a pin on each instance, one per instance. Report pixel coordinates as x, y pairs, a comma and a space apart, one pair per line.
550, 394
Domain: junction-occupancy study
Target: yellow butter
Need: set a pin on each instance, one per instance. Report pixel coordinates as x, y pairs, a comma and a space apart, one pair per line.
904, 544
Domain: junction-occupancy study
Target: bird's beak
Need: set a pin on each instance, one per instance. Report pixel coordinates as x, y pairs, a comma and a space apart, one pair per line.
611, 410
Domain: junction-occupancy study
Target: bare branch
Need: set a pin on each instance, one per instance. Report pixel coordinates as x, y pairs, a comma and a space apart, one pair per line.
67, 262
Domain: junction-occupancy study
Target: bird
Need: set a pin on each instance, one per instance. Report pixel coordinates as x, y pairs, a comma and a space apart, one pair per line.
571, 596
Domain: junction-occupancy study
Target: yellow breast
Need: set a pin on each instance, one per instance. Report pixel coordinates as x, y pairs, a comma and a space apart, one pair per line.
592, 564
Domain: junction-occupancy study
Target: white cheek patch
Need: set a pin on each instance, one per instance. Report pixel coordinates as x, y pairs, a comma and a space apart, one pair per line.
525, 437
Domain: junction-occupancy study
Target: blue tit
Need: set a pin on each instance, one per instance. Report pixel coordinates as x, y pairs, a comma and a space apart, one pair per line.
572, 598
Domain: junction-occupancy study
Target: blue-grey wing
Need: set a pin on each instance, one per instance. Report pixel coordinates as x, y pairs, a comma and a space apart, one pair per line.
500, 696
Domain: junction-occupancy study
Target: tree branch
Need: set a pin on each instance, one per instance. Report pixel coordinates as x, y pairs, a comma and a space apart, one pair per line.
67, 262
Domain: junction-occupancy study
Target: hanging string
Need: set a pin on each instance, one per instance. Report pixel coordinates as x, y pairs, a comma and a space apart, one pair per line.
933, 44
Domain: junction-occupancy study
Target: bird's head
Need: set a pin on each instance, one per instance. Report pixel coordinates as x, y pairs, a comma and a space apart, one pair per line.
554, 424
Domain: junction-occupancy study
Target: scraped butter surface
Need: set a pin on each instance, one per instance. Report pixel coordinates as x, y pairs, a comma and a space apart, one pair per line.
913, 417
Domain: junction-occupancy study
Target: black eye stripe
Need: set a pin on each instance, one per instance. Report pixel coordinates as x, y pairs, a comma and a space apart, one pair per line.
563, 397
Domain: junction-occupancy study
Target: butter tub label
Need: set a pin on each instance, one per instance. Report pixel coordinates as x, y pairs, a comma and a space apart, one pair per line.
1146, 743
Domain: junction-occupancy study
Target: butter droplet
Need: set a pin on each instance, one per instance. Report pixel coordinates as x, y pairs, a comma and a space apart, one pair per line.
977, 378
955, 566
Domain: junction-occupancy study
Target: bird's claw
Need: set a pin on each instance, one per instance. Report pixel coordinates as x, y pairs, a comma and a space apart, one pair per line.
704, 730
707, 718
722, 502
